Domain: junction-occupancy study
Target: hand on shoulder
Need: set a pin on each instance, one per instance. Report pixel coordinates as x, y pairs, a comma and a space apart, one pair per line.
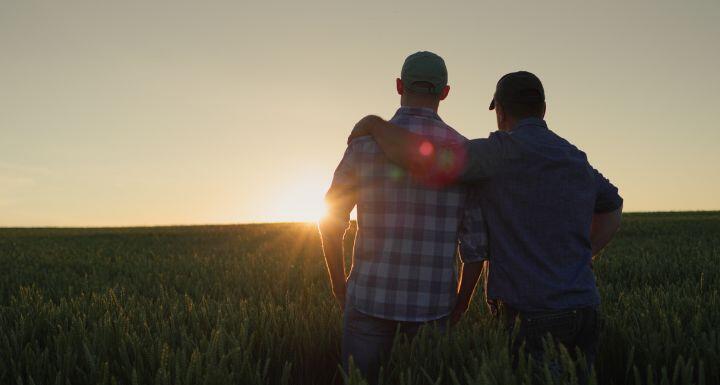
364, 127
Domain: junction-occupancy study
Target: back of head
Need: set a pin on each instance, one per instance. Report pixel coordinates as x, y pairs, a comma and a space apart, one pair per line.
520, 95
423, 80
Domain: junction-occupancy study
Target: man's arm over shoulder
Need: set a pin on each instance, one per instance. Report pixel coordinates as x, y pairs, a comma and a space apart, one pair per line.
423, 155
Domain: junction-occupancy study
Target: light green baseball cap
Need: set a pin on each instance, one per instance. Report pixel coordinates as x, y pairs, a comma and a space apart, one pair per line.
426, 67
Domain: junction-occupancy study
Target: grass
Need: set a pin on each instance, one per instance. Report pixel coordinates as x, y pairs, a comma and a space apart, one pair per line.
250, 304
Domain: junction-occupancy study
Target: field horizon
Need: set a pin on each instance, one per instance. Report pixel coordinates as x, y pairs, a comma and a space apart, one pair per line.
210, 224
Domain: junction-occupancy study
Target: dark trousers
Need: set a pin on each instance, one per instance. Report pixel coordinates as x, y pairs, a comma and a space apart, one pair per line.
573, 328
368, 339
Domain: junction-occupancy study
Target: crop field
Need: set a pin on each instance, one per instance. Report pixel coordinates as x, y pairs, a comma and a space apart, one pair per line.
250, 304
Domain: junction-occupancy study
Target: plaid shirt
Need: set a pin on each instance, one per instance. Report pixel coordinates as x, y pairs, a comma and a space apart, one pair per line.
409, 228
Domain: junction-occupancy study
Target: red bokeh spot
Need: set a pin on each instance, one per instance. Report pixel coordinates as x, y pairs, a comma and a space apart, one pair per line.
442, 165
426, 148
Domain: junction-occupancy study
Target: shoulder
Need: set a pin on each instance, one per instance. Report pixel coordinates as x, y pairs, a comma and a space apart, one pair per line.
434, 129
442, 133
485, 156
452, 135
494, 137
495, 142
570, 148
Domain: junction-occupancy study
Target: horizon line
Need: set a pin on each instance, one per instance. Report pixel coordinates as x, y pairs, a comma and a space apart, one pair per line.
141, 226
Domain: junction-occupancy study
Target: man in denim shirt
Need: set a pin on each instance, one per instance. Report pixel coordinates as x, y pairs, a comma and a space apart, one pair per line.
548, 210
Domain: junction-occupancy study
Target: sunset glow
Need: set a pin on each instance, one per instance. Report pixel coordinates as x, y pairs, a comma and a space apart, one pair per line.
136, 113
300, 201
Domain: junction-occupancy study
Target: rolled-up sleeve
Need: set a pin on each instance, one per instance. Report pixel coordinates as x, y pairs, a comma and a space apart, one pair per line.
607, 199
341, 198
473, 236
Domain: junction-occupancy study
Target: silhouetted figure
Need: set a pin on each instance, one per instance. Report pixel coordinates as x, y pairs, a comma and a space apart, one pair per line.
404, 272
548, 210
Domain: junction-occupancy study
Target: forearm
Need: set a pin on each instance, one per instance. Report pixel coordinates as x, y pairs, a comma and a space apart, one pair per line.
469, 278
410, 151
603, 229
333, 250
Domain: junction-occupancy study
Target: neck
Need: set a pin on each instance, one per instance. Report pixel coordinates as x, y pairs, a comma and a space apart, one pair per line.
432, 104
512, 123
509, 124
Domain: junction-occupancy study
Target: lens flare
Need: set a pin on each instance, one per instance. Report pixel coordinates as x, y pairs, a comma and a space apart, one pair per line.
426, 148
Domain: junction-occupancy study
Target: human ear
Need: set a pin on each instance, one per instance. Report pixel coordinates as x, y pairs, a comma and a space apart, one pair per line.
444, 93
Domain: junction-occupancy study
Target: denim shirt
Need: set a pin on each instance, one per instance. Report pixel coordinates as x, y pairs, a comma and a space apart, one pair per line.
538, 194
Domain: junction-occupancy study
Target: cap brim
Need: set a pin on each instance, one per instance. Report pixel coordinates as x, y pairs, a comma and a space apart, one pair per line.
492, 104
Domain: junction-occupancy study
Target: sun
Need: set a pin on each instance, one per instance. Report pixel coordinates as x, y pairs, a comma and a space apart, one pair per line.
299, 200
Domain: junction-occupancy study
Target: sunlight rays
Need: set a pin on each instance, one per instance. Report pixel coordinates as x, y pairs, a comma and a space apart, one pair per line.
299, 200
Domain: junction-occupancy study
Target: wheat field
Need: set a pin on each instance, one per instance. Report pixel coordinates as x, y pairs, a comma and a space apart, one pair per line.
250, 304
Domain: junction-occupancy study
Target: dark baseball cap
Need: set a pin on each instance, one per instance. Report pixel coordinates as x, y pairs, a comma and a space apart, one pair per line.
424, 67
518, 87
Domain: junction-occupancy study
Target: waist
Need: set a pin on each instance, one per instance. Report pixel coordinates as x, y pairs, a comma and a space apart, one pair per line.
525, 285
508, 313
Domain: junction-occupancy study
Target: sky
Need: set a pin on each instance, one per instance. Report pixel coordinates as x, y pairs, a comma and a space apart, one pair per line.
150, 113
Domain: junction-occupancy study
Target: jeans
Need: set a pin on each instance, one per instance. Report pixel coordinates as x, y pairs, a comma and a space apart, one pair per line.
574, 328
368, 340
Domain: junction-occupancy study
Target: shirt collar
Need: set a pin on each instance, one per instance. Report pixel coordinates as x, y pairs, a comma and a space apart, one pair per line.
530, 122
418, 111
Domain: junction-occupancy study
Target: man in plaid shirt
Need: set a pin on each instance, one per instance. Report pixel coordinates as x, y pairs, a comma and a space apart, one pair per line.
410, 229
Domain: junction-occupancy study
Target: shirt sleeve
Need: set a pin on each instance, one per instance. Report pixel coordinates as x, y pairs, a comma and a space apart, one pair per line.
483, 157
607, 199
341, 198
473, 235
